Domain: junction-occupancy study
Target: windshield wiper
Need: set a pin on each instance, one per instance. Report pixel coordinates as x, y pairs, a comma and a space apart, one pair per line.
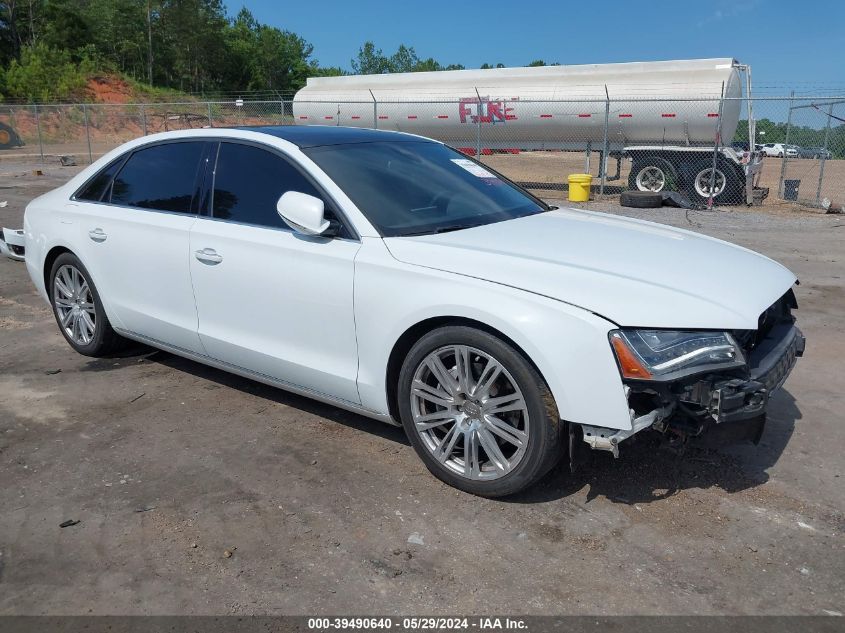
441, 229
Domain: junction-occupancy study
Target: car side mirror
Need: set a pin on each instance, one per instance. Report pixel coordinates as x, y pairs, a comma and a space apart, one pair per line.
303, 213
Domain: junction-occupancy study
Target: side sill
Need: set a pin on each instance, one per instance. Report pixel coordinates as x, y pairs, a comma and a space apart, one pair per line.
262, 378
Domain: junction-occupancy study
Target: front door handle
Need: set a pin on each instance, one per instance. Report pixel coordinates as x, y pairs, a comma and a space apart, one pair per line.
98, 235
208, 256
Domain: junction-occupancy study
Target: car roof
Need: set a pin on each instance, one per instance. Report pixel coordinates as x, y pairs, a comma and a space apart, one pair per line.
317, 135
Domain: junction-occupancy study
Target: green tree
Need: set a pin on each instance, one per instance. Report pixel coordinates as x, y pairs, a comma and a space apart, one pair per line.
118, 31
44, 74
188, 43
261, 57
370, 61
326, 71
281, 62
64, 26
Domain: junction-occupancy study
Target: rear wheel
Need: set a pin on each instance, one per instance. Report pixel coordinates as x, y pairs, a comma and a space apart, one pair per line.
652, 173
78, 309
724, 184
708, 183
477, 412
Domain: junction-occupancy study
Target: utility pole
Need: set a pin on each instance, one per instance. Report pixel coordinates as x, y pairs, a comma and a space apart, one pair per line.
149, 42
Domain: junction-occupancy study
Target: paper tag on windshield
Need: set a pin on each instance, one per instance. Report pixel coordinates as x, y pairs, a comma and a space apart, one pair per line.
473, 168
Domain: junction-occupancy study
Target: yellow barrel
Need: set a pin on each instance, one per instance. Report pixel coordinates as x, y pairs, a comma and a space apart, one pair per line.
579, 187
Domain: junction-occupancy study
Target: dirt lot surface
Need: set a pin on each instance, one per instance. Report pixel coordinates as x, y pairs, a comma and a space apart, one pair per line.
167, 464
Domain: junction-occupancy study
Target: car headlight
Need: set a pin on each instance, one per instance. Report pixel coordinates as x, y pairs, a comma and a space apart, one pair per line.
653, 354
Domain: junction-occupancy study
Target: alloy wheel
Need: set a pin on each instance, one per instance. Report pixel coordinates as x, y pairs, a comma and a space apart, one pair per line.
74, 304
469, 412
651, 178
703, 179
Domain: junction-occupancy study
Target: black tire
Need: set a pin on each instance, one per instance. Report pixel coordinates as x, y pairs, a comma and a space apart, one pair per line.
8, 137
105, 341
641, 199
544, 438
668, 169
732, 192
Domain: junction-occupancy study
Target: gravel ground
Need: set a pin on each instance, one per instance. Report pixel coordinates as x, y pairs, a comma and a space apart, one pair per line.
168, 465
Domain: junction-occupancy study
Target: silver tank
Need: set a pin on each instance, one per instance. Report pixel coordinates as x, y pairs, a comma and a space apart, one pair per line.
670, 102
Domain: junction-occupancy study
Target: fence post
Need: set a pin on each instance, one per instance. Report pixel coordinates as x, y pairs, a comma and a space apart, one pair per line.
87, 133
716, 153
375, 111
38, 129
210, 119
144, 119
603, 164
478, 122
824, 154
785, 142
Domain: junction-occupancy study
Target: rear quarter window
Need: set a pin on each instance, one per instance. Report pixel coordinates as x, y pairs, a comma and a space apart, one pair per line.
97, 187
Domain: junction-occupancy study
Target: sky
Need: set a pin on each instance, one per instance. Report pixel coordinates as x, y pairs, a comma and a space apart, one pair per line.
789, 44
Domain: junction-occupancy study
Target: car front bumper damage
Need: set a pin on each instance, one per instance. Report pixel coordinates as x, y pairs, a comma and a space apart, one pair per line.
726, 407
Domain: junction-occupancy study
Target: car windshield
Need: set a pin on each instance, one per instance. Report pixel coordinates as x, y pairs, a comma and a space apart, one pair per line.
418, 188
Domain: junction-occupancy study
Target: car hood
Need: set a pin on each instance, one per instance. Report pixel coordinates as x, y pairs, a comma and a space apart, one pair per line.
632, 272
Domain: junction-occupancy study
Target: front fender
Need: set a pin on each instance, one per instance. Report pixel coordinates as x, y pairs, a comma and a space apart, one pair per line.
568, 345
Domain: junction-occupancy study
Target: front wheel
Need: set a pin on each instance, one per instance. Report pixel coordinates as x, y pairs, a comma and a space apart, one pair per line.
78, 309
652, 174
477, 412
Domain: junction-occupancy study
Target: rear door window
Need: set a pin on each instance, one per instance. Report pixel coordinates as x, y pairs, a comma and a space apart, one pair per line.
162, 177
248, 182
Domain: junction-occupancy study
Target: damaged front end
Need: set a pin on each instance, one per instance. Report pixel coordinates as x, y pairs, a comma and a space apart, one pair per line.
685, 384
12, 243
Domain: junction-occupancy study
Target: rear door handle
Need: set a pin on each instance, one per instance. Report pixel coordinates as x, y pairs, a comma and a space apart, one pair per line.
208, 256
98, 235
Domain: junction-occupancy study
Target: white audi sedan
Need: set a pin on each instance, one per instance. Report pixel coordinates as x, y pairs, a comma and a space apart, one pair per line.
390, 275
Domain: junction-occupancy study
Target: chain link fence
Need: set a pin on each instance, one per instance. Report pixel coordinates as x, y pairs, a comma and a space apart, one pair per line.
698, 147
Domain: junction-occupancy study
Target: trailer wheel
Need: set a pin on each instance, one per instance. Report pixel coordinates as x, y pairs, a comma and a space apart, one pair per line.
726, 184
652, 174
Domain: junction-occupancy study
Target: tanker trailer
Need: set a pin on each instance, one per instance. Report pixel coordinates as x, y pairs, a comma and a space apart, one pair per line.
663, 117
